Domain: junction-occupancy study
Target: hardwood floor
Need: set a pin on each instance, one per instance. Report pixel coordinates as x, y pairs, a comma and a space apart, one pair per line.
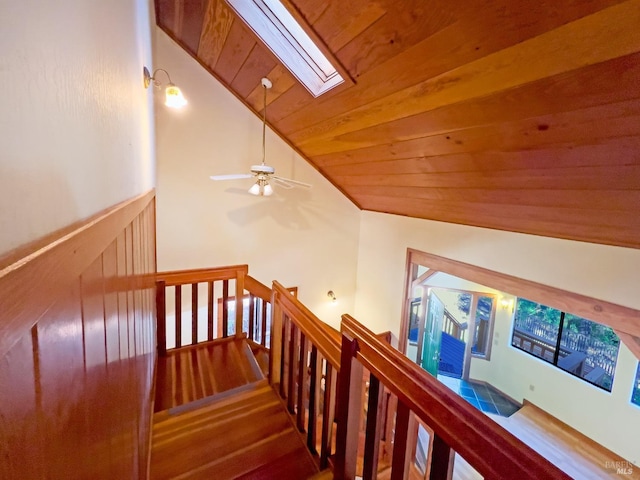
568, 449
242, 434
191, 373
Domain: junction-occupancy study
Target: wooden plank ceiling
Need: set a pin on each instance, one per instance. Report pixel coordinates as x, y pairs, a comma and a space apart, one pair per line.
519, 115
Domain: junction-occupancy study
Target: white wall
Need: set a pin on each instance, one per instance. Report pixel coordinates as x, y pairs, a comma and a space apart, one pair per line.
76, 127
304, 238
607, 273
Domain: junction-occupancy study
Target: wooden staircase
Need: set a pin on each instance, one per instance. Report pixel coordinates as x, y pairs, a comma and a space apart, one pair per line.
244, 432
199, 371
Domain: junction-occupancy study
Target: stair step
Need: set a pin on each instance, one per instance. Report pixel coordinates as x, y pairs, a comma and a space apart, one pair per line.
239, 396
192, 373
323, 475
245, 434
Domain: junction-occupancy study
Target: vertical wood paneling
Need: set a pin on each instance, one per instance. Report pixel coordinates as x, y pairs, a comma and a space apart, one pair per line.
60, 349
74, 390
18, 425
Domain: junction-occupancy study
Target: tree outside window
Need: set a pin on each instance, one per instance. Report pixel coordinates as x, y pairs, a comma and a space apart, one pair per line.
574, 344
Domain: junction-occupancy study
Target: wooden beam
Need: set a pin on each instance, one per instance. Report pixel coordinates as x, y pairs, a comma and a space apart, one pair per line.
620, 318
423, 278
632, 342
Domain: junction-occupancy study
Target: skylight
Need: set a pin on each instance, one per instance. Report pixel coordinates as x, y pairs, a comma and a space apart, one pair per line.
284, 36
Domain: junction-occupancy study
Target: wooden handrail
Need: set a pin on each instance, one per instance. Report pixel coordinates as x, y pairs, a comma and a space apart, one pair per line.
257, 288
491, 450
184, 277
316, 331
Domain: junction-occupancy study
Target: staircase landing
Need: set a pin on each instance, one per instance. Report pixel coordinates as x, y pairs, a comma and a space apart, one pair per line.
244, 433
191, 373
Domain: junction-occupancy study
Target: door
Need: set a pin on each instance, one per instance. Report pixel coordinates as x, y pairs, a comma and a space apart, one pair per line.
432, 334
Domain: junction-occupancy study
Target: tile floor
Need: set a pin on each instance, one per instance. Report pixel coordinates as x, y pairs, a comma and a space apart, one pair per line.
482, 396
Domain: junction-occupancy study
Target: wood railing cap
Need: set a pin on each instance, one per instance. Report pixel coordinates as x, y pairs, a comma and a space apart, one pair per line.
490, 449
314, 329
184, 277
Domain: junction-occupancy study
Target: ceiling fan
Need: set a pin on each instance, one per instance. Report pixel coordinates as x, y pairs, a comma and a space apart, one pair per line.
263, 172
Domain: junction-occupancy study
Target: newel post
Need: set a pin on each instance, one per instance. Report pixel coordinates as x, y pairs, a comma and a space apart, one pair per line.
348, 410
161, 315
275, 350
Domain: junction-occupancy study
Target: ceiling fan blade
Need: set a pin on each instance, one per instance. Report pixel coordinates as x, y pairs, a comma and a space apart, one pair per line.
292, 183
233, 176
277, 181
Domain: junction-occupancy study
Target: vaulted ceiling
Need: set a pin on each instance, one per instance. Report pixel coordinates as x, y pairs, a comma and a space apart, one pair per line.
519, 115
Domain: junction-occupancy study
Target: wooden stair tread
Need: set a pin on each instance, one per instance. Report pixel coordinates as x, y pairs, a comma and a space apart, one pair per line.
323, 475
245, 435
191, 373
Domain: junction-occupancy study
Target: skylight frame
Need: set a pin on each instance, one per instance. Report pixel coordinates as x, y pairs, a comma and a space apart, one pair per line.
286, 38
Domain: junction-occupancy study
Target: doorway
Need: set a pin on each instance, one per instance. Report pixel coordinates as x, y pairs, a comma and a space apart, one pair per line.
448, 323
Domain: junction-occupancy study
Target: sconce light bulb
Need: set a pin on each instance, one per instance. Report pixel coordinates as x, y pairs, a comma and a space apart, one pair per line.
174, 97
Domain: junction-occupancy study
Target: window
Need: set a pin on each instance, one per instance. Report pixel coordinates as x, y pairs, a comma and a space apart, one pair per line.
635, 395
284, 36
482, 327
576, 345
481, 309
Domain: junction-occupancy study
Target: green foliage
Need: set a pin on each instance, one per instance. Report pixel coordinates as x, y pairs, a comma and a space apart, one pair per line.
527, 309
635, 398
596, 331
483, 309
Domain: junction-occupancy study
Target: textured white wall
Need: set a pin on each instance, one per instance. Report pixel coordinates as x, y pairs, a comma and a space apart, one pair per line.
304, 238
604, 272
76, 126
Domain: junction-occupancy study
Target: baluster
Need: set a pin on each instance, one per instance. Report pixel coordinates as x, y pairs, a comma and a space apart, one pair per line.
276, 358
161, 309
401, 458
225, 308
314, 384
293, 348
285, 356
263, 339
252, 319
328, 411
178, 316
373, 432
239, 302
194, 313
441, 459
303, 376
210, 301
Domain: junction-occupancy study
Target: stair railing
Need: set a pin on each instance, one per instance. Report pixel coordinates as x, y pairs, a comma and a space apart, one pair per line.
227, 299
304, 364
456, 425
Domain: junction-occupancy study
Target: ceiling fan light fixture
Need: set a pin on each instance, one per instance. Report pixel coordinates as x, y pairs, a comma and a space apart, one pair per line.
261, 188
255, 188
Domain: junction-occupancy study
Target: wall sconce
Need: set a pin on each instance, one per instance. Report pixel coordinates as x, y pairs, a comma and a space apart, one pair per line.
173, 95
507, 303
332, 296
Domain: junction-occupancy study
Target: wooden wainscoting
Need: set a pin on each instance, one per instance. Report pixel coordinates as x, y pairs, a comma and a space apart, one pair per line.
77, 350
